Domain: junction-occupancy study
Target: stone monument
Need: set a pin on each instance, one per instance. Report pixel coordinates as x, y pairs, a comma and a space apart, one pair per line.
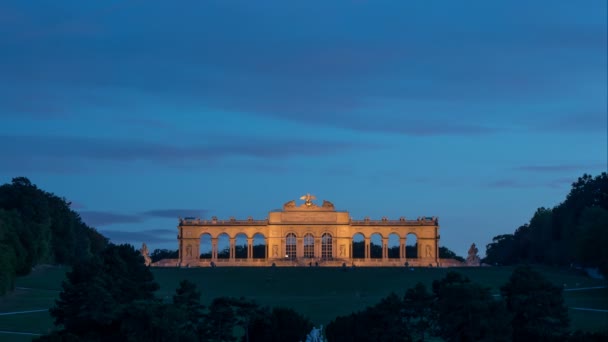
144, 252
473, 258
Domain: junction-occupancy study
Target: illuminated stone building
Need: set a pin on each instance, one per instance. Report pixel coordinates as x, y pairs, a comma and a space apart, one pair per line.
309, 234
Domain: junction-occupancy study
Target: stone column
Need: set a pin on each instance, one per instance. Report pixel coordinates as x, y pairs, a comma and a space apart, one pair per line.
367, 248
232, 248
249, 248
214, 249
437, 245
384, 248
282, 249
180, 250
317, 247
299, 248
402, 244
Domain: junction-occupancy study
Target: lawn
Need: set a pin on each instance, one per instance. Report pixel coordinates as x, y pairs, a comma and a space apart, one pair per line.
319, 293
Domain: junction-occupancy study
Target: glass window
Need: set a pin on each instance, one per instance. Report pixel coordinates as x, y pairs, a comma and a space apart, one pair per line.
290, 246
309, 246
326, 246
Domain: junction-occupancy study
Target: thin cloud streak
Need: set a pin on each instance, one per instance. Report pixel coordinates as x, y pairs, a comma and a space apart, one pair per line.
79, 148
136, 238
559, 167
291, 74
507, 183
174, 213
105, 218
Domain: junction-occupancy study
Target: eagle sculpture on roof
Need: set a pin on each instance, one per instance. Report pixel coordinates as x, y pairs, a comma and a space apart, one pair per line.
308, 199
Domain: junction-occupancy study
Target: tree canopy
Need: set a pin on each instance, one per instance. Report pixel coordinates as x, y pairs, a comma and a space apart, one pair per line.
38, 227
572, 232
537, 305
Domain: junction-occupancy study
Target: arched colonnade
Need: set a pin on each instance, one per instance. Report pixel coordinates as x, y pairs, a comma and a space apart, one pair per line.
310, 233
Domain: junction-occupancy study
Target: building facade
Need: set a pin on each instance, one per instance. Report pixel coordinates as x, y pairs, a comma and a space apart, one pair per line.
310, 234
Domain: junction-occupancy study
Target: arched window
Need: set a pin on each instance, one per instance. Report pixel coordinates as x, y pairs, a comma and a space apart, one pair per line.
205, 250
375, 246
411, 249
223, 246
290, 246
309, 246
393, 246
326, 246
358, 246
240, 246
259, 246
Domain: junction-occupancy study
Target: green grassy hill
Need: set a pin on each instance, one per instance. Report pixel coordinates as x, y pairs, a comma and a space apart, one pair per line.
319, 293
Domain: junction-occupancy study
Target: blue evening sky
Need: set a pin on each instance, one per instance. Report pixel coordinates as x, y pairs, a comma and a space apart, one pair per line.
138, 112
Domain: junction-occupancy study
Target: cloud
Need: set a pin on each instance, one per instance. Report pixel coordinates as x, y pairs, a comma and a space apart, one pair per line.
174, 213
274, 63
105, 218
559, 167
76, 205
64, 154
585, 122
146, 236
559, 183
506, 183
13, 163
422, 128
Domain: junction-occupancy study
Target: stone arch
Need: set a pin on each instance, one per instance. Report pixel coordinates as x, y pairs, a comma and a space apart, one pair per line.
375, 246
240, 246
394, 242
260, 247
327, 246
205, 246
411, 247
223, 246
290, 245
358, 246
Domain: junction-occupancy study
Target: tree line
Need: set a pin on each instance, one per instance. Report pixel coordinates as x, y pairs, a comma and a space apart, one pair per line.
37, 227
109, 294
529, 308
573, 232
112, 298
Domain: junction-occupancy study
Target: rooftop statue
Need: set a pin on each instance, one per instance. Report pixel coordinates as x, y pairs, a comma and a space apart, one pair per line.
308, 199
290, 204
327, 204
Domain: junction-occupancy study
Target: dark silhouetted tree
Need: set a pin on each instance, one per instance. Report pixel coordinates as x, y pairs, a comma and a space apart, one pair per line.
276, 325
187, 299
592, 239
466, 311
359, 249
548, 237
418, 311
98, 291
537, 306
382, 322
39, 227
160, 254
446, 253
